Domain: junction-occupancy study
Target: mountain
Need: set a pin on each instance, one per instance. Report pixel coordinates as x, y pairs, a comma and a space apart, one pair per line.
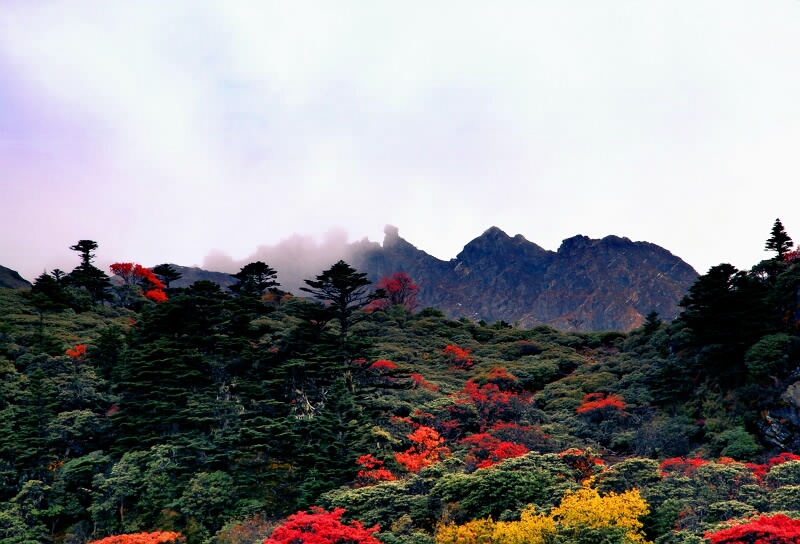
191, 274
588, 284
12, 280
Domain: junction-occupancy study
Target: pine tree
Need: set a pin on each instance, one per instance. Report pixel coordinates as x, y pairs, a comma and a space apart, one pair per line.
778, 241
346, 291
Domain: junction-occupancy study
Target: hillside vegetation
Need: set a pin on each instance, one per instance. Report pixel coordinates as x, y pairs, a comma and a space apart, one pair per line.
231, 416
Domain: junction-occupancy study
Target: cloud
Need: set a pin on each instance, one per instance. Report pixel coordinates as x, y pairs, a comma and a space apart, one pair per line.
163, 130
295, 258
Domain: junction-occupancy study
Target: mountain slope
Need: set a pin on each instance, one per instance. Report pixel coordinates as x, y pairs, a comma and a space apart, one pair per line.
12, 280
587, 284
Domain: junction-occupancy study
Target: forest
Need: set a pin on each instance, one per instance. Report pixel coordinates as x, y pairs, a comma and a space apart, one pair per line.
136, 412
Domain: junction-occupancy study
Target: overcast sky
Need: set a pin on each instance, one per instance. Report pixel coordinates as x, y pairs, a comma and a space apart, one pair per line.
171, 131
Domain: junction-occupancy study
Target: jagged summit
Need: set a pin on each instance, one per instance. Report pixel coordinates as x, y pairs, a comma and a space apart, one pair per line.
588, 284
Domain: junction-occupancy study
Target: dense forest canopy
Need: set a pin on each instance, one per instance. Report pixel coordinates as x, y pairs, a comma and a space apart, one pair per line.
132, 411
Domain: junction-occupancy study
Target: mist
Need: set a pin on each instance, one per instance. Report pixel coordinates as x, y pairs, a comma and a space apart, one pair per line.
295, 258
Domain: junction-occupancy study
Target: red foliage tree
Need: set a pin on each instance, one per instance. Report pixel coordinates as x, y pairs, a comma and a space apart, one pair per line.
419, 381
158, 537
777, 529
681, 466
321, 527
400, 291
428, 448
78, 352
382, 365
492, 403
458, 357
136, 274
373, 471
487, 450
156, 295
594, 403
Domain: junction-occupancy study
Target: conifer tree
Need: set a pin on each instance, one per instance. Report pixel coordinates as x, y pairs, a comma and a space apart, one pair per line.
88, 276
779, 241
346, 291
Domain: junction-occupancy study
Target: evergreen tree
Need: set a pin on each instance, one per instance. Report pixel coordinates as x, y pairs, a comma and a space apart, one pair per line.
346, 291
167, 274
254, 279
778, 241
88, 276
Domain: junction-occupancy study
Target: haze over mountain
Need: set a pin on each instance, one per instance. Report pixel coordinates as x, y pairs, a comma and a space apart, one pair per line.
587, 284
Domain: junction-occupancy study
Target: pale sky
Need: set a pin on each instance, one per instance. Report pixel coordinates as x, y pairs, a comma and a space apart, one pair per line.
171, 131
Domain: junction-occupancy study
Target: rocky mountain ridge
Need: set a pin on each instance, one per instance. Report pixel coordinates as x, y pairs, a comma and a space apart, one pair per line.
588, 284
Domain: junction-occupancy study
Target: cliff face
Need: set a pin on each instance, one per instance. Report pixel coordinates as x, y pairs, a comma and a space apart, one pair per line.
587, 284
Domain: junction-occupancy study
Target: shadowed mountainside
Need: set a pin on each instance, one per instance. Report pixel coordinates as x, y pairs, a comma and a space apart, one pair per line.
12, 280
587, 284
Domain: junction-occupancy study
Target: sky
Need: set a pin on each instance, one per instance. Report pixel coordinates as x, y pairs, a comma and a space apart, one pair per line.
200, 132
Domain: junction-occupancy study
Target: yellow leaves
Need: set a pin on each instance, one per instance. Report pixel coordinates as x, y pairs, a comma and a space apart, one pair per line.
474, 532
579, 511
532, 528
586, 508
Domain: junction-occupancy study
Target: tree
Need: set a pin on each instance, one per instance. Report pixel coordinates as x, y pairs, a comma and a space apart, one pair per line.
652, 322
321, 527
167, 273
88, 276
778, 241
428, 449
778, 529
400, 291
346, 291
254, 279
137, 280
158, 537
85, 248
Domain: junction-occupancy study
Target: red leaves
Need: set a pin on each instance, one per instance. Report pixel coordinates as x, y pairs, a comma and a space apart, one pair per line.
78, 352
136, 274
777, 529
400, 291
383, 365
458, 358
158, 537
373, 472
419, 381
321, 527
156, 295
488, 450
492, 403
428, 448
760, 470
681, 465
594, 402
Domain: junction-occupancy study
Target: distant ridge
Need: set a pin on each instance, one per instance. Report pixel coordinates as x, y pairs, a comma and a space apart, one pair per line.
10, 279
587, 284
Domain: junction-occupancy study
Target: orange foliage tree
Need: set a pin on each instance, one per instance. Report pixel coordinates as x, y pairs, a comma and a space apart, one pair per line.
428, 448
158, 537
